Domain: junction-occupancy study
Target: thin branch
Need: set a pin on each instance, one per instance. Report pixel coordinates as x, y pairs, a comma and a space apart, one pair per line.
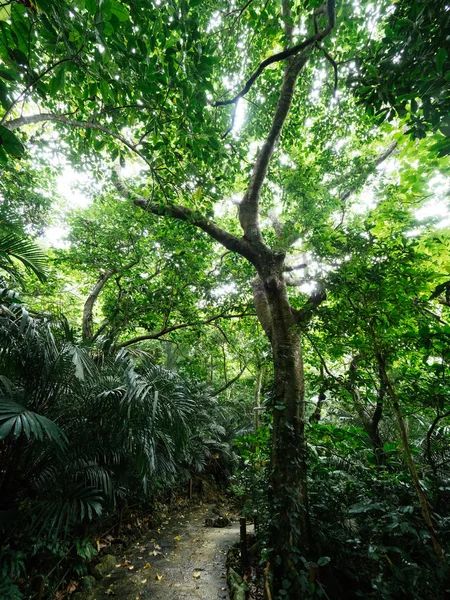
305, 314
384, 155
229, 383
32, 83
278, 57
434, 315
334, 64
166, 330
322, 360
44, 117
240, 11
290, 268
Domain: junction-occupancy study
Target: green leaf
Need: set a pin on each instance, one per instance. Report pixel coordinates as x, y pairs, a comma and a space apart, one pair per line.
27, 422
8, 74
323, 560
445, 126
104, 90
441, 57
119, 10
59, 80
11, 143
5, 13
91, 6
20, 27
4, 96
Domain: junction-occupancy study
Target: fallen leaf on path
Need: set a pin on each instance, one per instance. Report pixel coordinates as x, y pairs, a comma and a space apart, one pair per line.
177, 538
124, 564
143, 581
131, 567
147, 566
158, 577
196, 575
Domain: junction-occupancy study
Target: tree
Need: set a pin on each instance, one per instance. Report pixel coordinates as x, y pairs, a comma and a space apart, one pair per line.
127, 79
406, 73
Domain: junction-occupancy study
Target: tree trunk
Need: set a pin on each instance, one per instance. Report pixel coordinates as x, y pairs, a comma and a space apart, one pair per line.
257, 404
423, 502
369, 422
317, 414
288, 497
88, 309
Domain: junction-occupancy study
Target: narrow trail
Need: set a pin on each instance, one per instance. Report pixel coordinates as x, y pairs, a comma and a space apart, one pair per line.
181, 560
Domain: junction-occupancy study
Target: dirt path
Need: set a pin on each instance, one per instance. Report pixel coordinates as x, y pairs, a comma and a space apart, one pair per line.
182, 560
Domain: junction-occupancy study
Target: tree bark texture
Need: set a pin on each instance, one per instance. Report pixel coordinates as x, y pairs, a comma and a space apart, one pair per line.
288, 496
88, 309
257, 404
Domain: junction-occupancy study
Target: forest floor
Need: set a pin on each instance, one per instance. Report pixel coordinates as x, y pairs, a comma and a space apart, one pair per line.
180, 560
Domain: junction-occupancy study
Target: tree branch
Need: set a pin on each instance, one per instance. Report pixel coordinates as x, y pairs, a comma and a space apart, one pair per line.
279, 56
429, 435
183, 213
384, 155
229, 383
166, 330
304, 315
290, 268
32, 83
88, 308
45, 117
248, 208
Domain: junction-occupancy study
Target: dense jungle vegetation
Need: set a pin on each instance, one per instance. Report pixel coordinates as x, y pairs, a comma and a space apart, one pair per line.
225, 252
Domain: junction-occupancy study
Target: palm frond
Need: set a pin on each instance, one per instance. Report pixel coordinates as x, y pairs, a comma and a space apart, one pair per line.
16, 420
15, 245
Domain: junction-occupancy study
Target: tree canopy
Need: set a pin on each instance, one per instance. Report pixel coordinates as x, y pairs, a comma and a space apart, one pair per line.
267, 189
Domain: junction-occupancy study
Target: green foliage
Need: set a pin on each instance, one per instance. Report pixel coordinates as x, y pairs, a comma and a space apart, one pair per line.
85, 428
83, 432
406, 73
368, 521
250, 481
15, 247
